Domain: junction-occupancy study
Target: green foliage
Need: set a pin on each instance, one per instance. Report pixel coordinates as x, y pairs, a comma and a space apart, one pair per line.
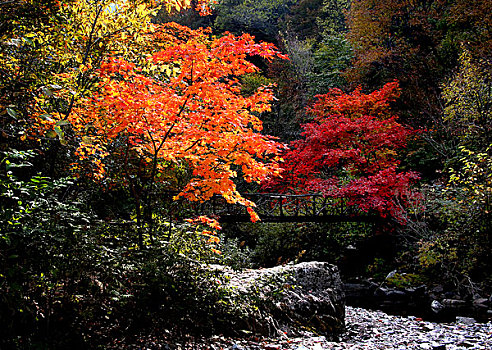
62, 288
458, 240
300, 56
332, 17
378, 268
44, 247
313, 68
21, 199
69, 280
302, 19
257, 17
474, 178
448, 236
402, 280
251, 82
272, 244
233, 253
331, 58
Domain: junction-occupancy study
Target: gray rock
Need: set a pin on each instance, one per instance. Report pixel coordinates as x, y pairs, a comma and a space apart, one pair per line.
480, 301
465, 320
397, 294
391, 275
436, 306
381, 292
308, 294
453, 302
369, 330
438, 289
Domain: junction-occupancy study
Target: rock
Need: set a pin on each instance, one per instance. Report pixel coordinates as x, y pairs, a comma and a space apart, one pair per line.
436, 306
391, 275
390, 294
381, 292
420, 290
451, 295
465, 320
361, 291
438, 289
453, 302
354, 290
480, 301
397, 295
308, 294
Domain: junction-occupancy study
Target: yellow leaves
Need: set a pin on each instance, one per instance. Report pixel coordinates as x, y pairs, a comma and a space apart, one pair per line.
475, 175
141, 9
117, 26
85, 67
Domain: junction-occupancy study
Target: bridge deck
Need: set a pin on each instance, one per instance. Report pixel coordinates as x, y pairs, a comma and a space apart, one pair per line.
303, 218
273, 207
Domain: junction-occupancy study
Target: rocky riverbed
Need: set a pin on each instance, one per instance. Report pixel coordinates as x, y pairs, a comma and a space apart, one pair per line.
365, 330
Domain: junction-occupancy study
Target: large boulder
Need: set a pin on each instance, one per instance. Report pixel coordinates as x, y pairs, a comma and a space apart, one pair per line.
289, 299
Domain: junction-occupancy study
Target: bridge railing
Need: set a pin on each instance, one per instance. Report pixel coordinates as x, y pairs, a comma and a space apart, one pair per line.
275, 207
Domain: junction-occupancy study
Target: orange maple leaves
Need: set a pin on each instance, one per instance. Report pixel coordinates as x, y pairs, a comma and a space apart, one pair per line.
192, 112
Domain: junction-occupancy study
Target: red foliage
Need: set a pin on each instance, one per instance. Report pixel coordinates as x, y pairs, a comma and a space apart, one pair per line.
349, 151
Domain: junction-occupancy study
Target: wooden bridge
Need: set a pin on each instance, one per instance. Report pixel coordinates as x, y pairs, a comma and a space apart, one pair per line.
272, 207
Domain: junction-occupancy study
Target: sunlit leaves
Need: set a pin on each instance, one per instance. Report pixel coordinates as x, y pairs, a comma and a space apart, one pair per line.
474, 177
62, 43
350, 151
158, 97
195, 115
468, 98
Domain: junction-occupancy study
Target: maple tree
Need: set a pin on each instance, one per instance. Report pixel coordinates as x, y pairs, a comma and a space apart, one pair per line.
349, 151
178, 104
61, 48
191, 115
49, 51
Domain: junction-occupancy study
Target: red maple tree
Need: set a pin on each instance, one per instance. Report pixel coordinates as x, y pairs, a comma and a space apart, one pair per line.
349, 151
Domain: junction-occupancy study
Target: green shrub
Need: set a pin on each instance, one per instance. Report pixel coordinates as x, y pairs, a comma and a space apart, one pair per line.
272, 244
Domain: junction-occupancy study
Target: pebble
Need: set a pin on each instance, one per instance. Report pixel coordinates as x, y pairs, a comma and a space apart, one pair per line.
365, 330
374, 330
